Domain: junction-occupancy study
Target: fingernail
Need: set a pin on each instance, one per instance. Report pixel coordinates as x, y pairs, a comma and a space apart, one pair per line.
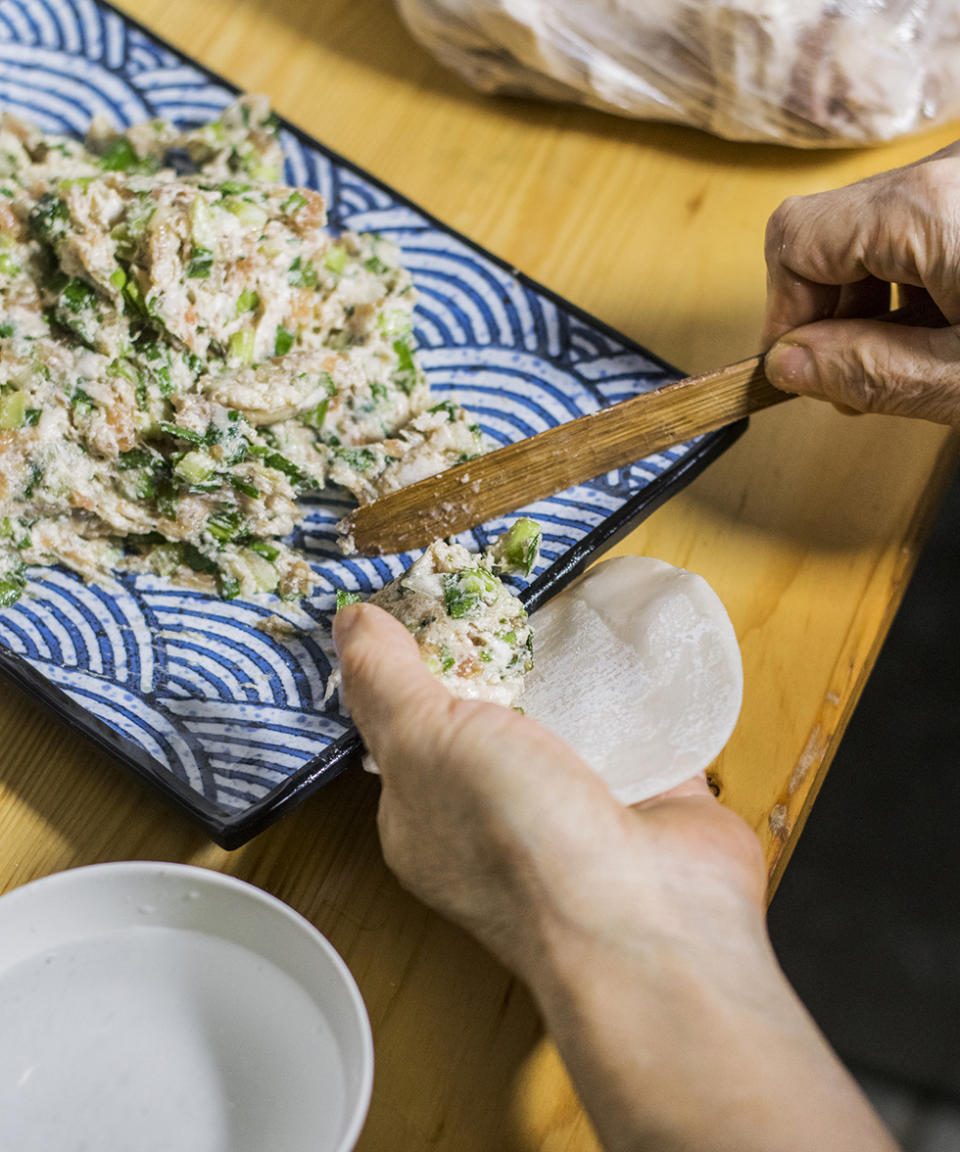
790, 366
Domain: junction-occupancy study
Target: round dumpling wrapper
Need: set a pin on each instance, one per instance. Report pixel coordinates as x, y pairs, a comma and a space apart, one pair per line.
637, 666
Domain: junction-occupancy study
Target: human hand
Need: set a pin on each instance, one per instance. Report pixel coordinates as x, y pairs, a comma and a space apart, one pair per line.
831, 259
639, 931
499, 825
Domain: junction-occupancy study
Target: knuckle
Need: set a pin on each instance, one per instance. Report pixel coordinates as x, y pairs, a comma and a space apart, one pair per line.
780, 225
869, 377
934, 184
851, 376
932, 197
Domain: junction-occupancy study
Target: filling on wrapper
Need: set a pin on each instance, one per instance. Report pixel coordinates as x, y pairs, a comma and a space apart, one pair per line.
471, 630
638, 669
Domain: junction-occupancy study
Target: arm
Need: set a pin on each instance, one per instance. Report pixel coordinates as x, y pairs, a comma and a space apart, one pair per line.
639, 931
831, 259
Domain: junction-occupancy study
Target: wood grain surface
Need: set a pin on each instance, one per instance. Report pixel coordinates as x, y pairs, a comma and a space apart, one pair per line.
808, 528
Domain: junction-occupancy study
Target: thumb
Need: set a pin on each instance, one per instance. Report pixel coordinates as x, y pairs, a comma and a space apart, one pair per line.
387, 688
871, 366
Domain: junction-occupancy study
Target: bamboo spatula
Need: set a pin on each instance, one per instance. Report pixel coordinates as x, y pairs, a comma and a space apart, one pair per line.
570, 453
558, 458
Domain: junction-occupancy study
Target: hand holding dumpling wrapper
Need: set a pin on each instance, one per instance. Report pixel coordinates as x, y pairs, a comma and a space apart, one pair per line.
636, 665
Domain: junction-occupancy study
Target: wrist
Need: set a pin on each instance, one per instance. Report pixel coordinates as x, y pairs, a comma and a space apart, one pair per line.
685, 1042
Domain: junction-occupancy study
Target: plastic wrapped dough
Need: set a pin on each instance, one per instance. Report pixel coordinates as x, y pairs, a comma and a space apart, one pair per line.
803, 72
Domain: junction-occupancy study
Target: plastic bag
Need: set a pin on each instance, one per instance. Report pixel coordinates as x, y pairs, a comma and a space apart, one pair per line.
809, 73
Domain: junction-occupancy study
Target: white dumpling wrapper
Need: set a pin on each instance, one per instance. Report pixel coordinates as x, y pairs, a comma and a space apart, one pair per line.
637, 667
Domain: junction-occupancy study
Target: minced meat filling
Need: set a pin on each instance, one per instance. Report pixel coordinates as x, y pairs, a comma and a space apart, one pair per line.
181, 355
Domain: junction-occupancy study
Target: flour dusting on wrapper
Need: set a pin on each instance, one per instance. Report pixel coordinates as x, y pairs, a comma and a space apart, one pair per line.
638, 669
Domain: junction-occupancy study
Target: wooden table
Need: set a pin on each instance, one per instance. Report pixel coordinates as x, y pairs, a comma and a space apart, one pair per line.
808, 528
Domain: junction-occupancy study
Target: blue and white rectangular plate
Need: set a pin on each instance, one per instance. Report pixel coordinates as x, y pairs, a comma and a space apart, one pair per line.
184, 688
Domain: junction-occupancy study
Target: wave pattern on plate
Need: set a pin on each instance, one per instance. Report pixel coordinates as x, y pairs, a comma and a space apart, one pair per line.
212, 691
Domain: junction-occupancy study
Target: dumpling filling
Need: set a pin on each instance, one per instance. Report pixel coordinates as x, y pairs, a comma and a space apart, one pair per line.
182, 354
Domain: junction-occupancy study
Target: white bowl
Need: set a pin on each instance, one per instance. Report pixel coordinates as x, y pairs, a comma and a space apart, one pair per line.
147, 1007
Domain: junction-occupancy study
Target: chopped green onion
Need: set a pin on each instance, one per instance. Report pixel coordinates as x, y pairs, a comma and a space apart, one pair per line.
128, 233
144, 485
118, 277
316, 417
517, 550
287, 467
195, 467
196, 364
466, 590
228, 587
451, 409
81, 182
344, 598
302, 274
250, 215
262, 571
293, 203
36, 475
81, 401
203, 231
7, 264
264, 549
405, 377
195, 559
247, 301
395, 323
244, 487
335, 259
361, 459
200, 263
77, 295
12, 409
77, 309
12, 584
283, 342
226, 524
49, 218
119, 155
136, 458
267, 173
6, 330
134, 301
241, 346
187, 434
